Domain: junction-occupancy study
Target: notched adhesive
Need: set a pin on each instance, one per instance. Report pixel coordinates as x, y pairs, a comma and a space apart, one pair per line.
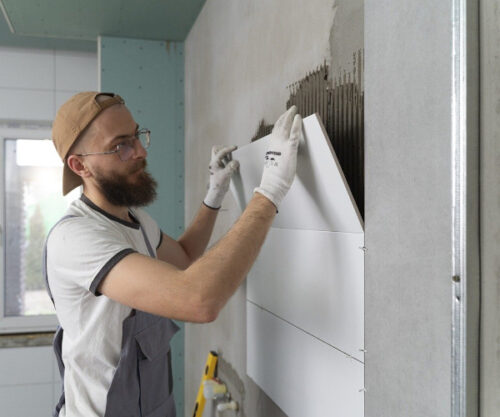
263, 130
340, 104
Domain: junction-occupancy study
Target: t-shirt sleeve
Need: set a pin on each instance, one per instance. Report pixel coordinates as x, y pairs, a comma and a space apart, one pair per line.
81, 252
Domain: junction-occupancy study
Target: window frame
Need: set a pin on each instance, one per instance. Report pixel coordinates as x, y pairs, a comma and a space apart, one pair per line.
22, 324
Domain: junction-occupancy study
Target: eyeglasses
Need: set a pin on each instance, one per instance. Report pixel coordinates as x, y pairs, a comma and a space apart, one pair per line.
126, 148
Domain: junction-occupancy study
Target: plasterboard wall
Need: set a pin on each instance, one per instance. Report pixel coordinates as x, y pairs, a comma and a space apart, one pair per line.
239, 60
408, 235
490, 208
232, 81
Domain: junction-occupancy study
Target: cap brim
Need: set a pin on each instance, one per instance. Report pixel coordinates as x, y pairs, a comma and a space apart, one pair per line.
70, 179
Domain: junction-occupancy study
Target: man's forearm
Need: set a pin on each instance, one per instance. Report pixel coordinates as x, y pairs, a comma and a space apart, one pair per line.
226, 264
195, 239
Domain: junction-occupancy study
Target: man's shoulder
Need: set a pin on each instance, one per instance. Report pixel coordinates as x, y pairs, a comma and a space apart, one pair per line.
80, 225
75, 217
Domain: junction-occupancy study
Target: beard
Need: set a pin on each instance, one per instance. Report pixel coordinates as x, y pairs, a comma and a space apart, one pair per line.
119, 190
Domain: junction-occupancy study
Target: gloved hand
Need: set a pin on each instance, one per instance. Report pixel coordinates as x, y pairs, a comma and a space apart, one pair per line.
281, 157
221, 168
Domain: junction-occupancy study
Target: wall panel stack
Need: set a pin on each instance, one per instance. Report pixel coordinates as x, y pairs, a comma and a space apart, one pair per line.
305, 292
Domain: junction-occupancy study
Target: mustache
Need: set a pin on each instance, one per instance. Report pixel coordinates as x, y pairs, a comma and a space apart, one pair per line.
140, 165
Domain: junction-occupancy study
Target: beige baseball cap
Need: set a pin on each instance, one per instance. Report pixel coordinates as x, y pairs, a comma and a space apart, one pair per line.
71, 120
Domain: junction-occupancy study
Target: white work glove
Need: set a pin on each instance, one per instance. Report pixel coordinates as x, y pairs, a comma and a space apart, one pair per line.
221, 169
281, 157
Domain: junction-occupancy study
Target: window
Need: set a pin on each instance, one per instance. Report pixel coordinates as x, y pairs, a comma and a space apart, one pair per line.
32, 202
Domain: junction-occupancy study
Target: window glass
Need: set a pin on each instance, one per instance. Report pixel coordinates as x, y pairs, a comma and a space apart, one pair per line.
33, 203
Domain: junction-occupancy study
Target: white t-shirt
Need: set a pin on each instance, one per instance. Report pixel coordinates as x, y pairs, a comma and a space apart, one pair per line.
80, 252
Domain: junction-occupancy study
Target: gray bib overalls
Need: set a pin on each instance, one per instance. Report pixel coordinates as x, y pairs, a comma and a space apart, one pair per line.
142, 383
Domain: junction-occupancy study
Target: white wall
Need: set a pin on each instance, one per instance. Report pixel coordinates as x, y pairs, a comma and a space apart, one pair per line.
33, 84
30, 384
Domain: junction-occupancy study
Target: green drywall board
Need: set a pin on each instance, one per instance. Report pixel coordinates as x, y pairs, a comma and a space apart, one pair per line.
77, 19
16, 41
149, 75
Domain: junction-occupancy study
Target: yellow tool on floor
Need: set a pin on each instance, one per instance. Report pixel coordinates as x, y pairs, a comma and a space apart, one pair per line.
210, 372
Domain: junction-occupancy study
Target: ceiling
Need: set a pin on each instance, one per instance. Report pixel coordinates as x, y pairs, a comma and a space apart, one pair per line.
76, 24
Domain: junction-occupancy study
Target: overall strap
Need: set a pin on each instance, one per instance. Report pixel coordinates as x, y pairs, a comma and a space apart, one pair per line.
148, 244
150, 249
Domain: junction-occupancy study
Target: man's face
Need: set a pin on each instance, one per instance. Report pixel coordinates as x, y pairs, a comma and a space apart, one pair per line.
123, 183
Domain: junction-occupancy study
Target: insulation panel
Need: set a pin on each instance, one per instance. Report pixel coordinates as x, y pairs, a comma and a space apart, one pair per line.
305, 276
305, 292
303, 375
319, 198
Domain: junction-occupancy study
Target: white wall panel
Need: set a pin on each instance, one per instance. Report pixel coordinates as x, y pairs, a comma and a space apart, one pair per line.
314, 280
305, 292
27, 386
27, 365
75, 71
26, 400
27, 69
26, 104
319, 198
303, 375
34, 84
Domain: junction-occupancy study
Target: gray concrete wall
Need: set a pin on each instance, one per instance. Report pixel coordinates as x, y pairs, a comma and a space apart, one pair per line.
490, 207
408, 208
240, 57
408, 217
472, 256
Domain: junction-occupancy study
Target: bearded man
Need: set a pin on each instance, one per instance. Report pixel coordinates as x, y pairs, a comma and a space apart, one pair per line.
117, 281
